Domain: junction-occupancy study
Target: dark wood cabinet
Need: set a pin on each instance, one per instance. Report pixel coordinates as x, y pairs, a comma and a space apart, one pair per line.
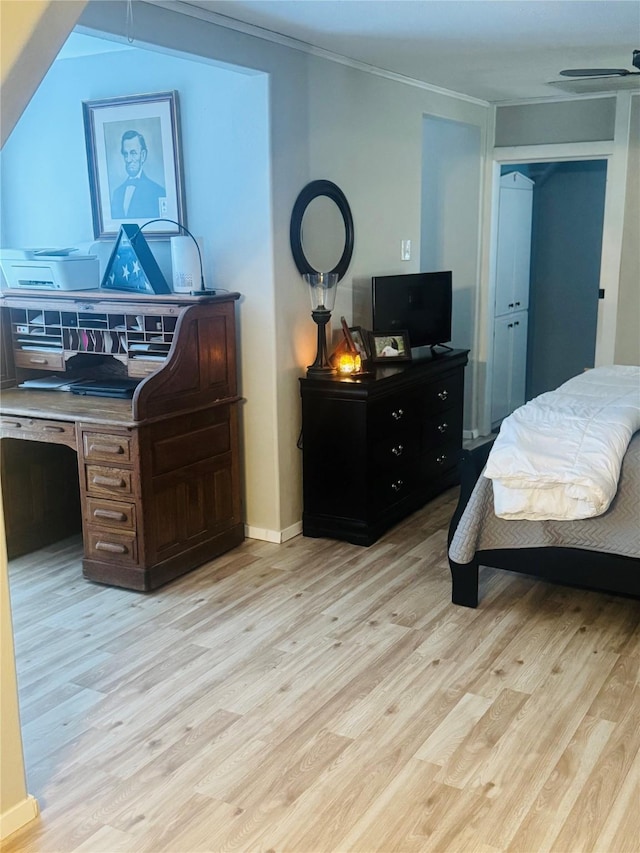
158, 474
377, 448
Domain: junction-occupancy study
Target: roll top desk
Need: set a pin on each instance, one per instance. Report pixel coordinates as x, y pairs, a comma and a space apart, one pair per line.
159, 473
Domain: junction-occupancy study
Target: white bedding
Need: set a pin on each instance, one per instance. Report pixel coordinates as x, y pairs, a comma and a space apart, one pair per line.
558, 457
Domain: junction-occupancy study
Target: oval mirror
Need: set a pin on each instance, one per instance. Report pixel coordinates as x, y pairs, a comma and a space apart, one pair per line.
322, 229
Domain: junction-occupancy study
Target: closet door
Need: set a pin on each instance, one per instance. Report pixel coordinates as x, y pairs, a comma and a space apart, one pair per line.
518, 359
513, 251
501, 369
509, 364
513, 259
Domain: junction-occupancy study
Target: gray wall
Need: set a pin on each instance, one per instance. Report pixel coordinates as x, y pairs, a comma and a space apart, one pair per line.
450, 199
588, 120
628, 331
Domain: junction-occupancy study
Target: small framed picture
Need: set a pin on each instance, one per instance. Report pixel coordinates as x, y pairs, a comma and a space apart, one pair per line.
389, 346
135, 164
360, 338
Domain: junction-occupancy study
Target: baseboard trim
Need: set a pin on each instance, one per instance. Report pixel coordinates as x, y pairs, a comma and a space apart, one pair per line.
18, 816
470, 434
277, 536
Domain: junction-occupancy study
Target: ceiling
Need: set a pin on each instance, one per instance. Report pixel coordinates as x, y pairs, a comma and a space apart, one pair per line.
495, 50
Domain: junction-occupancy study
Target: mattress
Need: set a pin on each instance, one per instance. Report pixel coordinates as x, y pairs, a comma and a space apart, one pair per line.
617, 531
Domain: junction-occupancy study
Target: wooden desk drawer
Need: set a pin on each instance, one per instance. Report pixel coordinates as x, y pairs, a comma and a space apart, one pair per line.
142, 367
121, 516
111, 546
39, 360
108, 481
104, 447
39, 429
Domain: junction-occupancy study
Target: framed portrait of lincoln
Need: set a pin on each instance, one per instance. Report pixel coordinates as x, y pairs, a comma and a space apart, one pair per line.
135, 164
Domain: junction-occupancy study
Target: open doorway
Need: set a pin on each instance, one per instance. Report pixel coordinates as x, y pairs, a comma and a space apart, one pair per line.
565, 230
566, 249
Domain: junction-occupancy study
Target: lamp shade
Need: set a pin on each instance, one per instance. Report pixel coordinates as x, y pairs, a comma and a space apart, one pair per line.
322, 289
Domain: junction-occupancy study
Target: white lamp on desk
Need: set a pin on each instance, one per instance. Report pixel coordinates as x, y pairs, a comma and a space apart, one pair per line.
185, 264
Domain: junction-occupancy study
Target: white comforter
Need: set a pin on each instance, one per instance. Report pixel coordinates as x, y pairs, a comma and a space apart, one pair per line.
559, 456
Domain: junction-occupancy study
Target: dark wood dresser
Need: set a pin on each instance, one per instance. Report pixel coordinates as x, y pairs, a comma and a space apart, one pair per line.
157, 476
377, 448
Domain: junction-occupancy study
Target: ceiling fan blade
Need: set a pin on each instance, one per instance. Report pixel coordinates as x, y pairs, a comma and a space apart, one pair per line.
595, 72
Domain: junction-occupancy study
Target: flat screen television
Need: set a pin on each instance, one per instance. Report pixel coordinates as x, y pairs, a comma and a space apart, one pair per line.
417, 302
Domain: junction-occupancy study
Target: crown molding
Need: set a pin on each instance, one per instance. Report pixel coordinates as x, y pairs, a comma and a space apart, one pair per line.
185, 8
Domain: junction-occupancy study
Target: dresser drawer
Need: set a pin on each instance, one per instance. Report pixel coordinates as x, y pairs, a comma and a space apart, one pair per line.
114, 514
396, 449
105, 447
439, 459
443, 393
111, 546
39, 360
443, 428
38, 429
102, 480
393, 485
394, 415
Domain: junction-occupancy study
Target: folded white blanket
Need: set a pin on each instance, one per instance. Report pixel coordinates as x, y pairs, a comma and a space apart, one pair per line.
558, 457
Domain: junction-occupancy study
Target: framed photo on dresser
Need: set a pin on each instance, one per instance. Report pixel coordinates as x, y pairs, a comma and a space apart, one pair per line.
389, 346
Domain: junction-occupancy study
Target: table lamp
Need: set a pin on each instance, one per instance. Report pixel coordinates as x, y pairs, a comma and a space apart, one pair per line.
322, 290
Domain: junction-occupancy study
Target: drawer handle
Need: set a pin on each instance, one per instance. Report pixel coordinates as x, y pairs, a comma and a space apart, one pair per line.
397, 414
441, 459
112, 547
397, 485
443, 427
111, 514
397, 450
118, 483
443, 395
11, 424
49, 428
34, 360
106, 448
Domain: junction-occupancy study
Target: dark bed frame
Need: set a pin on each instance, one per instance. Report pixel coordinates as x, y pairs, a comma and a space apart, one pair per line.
571, 566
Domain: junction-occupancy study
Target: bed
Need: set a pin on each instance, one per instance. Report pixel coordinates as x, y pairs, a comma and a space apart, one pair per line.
601, 552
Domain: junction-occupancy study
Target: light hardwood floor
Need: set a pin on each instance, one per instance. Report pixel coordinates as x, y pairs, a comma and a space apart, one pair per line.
317, 696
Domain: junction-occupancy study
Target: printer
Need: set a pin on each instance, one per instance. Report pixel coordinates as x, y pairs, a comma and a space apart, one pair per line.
49, 269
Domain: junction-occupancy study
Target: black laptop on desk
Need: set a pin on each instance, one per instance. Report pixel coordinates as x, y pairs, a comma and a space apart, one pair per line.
105, 387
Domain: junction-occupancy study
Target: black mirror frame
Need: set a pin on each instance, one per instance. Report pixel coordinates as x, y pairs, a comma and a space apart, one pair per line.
307, 195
